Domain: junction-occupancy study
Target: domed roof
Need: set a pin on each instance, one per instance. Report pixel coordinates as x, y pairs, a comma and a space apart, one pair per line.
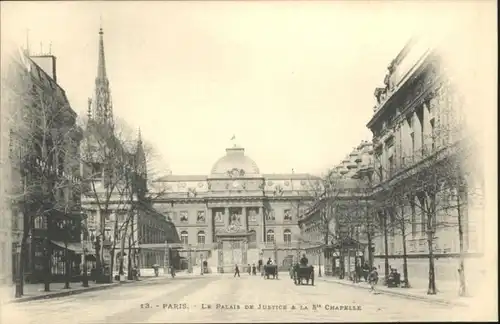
235, 162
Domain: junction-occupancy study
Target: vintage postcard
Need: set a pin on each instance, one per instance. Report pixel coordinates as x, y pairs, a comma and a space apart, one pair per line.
248, 161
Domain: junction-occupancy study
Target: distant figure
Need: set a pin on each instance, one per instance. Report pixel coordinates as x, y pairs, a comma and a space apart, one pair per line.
366, 271
254, 269
373, 279
303, 260
269, 261
260, 264
249, 268
236, 270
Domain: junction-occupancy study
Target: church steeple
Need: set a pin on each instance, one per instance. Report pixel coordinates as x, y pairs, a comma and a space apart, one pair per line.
140, 156
103, 107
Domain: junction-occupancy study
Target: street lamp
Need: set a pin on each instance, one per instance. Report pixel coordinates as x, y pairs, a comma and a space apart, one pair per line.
201, 261
319, 263
85, 279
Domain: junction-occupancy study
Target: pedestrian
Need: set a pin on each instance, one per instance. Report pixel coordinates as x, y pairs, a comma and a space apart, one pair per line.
254, 269
236, 270
249, 269
373, 279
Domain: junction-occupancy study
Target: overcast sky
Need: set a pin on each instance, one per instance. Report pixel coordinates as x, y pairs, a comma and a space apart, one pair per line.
294, 81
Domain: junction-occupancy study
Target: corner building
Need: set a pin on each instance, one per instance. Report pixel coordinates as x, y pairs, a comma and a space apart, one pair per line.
234, 215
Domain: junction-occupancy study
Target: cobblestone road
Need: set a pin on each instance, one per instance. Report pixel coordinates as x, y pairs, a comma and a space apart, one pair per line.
227, 299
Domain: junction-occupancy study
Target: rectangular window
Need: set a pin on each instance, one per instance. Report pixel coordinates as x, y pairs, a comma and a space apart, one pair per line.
412, 137
391, 166
184, 216
200, 216
287, 215
270, 215
378, 162
433, 134
423, 220
413, 219
96, 170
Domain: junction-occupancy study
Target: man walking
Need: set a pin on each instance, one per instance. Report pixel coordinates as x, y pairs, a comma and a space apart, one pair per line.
236, 270
373, 279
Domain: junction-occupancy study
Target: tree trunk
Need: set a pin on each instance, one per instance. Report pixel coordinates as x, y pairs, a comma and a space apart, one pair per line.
122, 250
349, 274
67, 274
112, 265
386, 249
129, 260
85, 278
98, 255
48, 255
462, 291
405, 257
341, 263
23, 255
430, 243
370, 252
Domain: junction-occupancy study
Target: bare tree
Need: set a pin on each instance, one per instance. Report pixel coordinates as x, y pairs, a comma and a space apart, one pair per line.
105, 161
330, 197
43, 135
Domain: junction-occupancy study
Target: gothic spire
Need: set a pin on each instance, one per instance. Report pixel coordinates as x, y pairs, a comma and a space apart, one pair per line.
140, 155
101, 65
103, 109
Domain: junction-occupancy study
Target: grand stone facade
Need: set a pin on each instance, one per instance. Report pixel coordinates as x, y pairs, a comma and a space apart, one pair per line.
235, 214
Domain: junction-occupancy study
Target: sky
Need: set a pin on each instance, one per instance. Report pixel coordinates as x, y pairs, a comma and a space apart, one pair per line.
293, 81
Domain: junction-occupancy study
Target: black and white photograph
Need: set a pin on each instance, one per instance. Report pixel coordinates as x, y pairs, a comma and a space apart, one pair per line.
248, 161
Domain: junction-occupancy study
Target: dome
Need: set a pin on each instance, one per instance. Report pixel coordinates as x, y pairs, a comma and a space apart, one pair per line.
235, 161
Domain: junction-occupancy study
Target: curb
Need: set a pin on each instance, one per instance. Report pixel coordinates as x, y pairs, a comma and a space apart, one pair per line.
69, 292
403, 295
62, 293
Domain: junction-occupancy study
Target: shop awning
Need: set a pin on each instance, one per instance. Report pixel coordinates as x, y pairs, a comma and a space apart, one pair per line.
75, 247
90, 257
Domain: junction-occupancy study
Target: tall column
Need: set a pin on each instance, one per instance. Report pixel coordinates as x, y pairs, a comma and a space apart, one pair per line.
210, 221
244, 250
262, 224
245, 220
189, 259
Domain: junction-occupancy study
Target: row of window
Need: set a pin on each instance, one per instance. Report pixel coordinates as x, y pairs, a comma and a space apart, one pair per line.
270, 237
200, 216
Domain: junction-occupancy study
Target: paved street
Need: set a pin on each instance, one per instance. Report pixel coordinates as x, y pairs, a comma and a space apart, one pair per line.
186, 299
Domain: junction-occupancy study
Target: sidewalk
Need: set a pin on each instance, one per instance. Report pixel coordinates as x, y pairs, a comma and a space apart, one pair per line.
36, 291
447, 291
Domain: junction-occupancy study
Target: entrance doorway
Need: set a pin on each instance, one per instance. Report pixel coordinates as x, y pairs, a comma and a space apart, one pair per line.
233, 253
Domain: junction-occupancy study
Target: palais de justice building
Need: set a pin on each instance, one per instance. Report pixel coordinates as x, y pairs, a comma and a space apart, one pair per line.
235, 214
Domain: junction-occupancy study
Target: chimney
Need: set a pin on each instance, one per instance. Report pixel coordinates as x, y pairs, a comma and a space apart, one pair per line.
47, 63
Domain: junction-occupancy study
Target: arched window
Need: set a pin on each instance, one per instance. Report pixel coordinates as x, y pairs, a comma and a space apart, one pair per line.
40, 222
201, 237
184, 237
253, 236
287, 236
270, 236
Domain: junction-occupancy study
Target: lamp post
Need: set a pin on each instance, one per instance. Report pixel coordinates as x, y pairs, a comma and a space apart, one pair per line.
190, 262
85, 279
319, 263
166, 268
276, 253
201, 262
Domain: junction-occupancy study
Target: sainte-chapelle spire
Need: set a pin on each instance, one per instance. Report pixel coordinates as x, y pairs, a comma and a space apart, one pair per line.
102, 112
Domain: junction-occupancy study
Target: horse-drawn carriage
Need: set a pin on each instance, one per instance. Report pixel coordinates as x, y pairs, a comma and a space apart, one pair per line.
271, 270
301, 272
